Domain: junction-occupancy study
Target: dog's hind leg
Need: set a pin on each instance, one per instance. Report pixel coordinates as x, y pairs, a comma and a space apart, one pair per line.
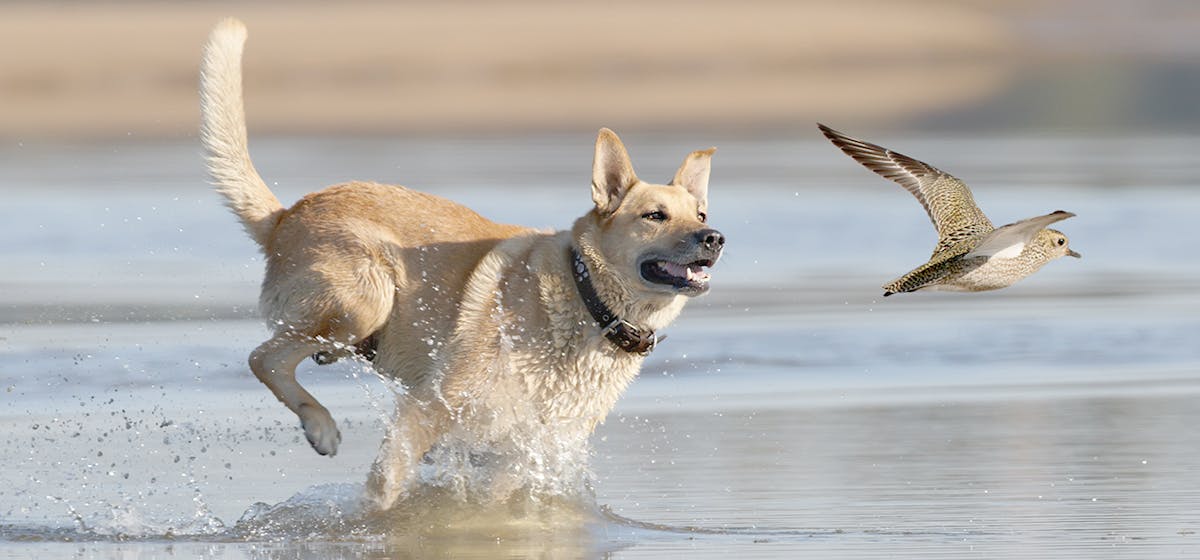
322, 307
274, 363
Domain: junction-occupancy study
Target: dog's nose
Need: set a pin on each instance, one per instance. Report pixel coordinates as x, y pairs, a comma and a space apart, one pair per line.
711, 239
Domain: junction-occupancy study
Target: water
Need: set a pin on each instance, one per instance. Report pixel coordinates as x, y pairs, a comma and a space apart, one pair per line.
792, 412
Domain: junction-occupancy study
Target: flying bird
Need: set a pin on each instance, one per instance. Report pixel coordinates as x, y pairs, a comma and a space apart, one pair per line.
971, 255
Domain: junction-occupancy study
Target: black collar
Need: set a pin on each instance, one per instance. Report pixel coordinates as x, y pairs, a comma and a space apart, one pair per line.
617, 330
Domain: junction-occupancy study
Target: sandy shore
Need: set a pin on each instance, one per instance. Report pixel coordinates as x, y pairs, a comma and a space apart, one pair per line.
129, 68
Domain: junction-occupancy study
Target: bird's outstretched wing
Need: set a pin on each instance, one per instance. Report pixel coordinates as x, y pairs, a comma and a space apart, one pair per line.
945, 198
1010, 240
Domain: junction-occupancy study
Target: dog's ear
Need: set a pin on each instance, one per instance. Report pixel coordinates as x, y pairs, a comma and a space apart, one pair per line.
612, 173
693, 175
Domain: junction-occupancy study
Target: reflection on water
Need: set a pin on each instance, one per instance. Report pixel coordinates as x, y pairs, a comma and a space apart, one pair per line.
436, 517
792, 412
1043, 477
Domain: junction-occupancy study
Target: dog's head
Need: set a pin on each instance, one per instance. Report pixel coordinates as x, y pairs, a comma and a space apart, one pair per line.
656, 237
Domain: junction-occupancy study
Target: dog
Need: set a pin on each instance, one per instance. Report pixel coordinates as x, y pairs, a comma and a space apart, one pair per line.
492, 329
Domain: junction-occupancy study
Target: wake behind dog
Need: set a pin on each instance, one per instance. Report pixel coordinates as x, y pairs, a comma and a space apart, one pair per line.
500, 334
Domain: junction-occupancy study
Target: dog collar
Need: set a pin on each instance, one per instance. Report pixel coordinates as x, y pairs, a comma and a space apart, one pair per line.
617, 330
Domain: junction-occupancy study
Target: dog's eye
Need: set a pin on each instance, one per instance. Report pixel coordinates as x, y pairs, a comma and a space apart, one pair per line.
703, 217
655, 216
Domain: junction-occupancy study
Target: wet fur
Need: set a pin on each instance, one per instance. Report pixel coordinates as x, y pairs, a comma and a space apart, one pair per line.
480, 321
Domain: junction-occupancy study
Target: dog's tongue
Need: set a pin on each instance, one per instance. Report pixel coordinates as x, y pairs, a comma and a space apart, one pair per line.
675, 269
692, 273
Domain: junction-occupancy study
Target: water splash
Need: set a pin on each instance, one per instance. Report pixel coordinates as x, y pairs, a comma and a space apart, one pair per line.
532, 485
329, 510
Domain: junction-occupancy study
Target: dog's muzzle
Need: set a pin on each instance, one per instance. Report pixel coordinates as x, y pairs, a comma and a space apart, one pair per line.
687, 274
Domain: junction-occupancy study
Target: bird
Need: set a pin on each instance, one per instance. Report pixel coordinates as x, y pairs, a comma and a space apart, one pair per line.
971, 254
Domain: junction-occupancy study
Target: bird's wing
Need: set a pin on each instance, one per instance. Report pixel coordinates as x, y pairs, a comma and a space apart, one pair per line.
946, 199
1010, 240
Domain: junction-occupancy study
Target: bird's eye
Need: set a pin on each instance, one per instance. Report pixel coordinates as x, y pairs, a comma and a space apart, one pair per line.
1061, 242
703, 217
655, 216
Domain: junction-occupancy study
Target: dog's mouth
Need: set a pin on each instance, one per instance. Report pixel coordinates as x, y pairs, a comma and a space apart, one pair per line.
689, 278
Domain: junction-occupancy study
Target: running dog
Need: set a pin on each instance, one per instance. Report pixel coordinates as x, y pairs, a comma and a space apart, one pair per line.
491, 328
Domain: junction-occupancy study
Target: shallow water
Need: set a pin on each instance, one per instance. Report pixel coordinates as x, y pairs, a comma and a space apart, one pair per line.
793, 410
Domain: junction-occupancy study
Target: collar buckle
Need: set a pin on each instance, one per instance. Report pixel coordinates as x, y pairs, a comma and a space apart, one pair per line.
630, 338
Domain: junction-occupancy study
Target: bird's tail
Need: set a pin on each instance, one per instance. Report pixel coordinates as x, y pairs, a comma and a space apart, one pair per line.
223, 133
917, 278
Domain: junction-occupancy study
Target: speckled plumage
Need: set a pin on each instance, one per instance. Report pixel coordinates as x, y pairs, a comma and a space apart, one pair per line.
971, 254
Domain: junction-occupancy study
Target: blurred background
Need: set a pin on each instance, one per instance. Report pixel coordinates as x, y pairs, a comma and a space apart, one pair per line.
128, 292
1038, 104
88, 70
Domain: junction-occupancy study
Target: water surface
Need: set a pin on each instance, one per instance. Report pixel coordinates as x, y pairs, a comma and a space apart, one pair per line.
793, 411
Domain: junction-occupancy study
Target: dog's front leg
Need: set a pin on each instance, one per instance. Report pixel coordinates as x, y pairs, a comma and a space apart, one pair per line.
414, 428
274, 363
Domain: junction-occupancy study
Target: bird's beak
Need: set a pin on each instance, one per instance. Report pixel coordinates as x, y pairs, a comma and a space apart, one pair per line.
1072, 253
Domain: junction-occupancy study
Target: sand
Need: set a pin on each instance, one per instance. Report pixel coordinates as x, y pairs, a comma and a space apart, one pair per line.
83, 70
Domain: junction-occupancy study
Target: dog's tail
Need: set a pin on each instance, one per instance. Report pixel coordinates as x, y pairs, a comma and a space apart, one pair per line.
223, 132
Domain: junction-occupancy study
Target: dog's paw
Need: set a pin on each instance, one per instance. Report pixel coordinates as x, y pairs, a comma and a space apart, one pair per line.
320, 429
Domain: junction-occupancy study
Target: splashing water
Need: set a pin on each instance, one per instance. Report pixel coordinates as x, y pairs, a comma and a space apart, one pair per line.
518, 488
